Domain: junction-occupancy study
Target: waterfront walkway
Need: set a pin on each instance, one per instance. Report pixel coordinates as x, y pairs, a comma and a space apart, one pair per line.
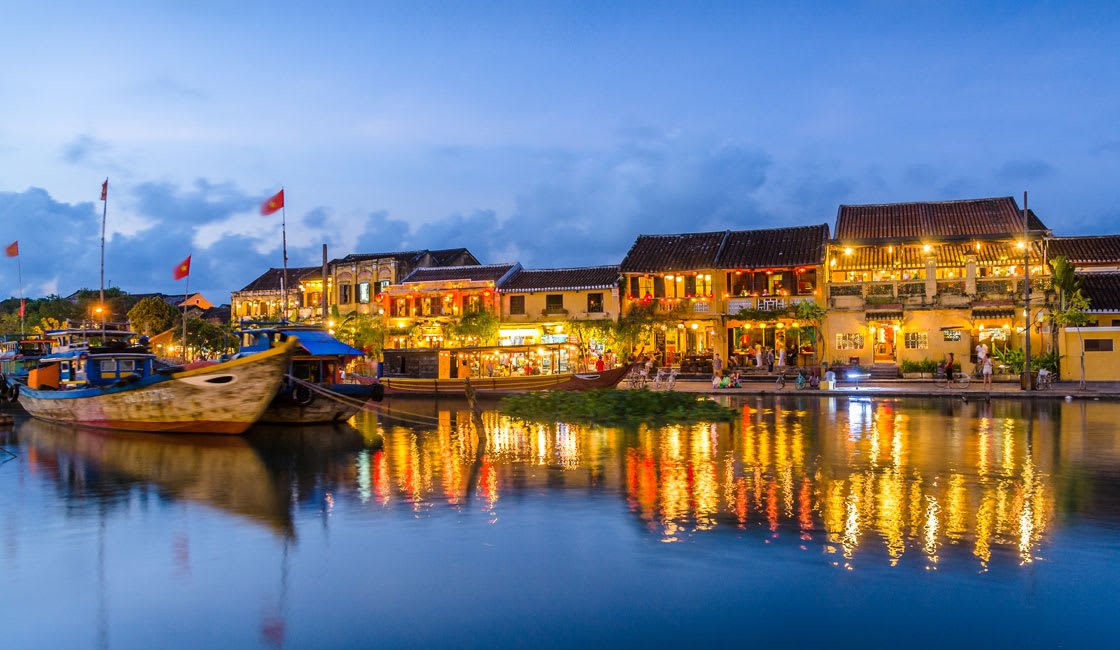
915, 388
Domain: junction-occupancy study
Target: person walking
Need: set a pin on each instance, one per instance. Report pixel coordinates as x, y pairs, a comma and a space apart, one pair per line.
769, 360
782, 357
986, 371
758, 356
717, 364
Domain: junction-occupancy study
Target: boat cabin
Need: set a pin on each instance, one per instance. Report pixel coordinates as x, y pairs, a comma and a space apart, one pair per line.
490, 361
320, 357
20, 353
84, 369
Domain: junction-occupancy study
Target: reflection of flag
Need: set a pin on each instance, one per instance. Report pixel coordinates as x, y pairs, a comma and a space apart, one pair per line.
273, 204
104, 189
183, 269
22, 307
13, 249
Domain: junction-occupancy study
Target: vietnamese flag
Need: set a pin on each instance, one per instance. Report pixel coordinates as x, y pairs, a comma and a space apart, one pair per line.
104, 189
183, 269
273, 204
22, 307
13, 249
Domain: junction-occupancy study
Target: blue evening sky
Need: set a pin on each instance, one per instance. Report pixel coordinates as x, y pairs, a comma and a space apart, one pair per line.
550, 133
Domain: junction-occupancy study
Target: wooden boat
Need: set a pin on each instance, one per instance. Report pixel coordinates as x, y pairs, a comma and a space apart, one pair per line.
315, 392
427, 373
18, 355
125, 389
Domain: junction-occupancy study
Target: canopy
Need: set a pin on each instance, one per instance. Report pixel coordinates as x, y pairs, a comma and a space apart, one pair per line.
319, 342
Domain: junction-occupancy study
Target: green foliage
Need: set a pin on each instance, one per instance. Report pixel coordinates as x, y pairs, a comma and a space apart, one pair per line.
1013, 358
615, 407
762, 314
207, 339
1064, 279
1073, 314
151, 316
635, 326
929, 366
907, 366
480, 324
117, 303
1049, 361
365, 332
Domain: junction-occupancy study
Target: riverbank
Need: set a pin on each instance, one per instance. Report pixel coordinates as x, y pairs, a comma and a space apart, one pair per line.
916, 388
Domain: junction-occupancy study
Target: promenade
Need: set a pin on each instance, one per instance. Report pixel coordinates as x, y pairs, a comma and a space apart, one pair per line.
914, 388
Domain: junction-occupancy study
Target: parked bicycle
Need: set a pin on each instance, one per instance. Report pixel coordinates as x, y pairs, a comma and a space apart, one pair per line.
1045, 380
801, 383
780, 383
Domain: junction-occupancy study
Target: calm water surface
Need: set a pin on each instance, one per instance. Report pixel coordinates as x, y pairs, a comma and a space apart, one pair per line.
806, 523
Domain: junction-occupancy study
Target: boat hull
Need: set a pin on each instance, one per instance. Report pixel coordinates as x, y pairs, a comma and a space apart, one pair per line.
321, 409
499, 386
223, 398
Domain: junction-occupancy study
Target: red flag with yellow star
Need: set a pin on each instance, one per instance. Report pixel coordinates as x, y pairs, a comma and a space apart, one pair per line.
13, 249
272, 205
183, 269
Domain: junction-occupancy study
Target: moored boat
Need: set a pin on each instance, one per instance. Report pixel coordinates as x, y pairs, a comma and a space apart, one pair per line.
315, 390
126, 389
434, 372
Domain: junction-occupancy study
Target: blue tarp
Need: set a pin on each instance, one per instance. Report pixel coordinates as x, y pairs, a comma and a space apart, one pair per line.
320, 342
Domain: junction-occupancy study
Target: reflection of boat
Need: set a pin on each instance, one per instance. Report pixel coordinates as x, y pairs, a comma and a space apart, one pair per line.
315, 391
430, 372
223, 472
124, 389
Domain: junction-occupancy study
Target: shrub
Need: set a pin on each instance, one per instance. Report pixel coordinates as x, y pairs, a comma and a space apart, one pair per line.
610, 406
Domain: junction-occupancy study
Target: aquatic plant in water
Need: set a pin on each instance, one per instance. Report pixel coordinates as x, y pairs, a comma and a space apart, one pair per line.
612, 406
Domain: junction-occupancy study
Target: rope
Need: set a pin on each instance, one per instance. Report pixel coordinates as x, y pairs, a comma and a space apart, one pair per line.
361, 404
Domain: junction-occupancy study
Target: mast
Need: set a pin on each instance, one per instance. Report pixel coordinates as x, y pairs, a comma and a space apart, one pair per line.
186, 296
323, 295
22, 305
101, 290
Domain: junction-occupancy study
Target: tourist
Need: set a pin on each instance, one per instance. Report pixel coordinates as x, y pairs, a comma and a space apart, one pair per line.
717, 364
986, 371
769, 360
981, 353
490, 368
782, 357
599, 366
758, 356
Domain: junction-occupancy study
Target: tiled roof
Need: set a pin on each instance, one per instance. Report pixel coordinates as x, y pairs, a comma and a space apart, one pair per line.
1102, 290
575, 279
270, 279
1101, 249
774, 247
914, 257
474, 273
663, 253
445, 256
967, 218
401, 256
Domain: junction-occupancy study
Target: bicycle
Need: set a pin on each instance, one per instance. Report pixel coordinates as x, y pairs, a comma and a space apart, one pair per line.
780, 383
1045, 380
947, 380
800, 383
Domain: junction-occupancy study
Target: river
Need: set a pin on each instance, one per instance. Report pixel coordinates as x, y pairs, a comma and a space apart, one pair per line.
829, 522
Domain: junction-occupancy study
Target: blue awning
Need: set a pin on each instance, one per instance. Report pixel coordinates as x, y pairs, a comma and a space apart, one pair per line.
320, 342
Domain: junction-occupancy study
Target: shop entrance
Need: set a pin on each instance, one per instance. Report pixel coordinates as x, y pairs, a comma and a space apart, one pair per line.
884, 344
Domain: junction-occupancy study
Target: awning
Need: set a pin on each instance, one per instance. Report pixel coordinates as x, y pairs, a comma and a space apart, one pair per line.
997, 313
884, 315
319, 342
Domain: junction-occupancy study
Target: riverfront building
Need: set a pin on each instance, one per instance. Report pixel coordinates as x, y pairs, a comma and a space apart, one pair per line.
916, 281
724, 292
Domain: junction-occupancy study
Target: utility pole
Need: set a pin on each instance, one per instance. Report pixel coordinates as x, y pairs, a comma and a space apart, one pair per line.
1026, 295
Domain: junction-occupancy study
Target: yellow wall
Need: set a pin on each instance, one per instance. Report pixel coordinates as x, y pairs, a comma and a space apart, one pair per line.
575, 303
1099, 366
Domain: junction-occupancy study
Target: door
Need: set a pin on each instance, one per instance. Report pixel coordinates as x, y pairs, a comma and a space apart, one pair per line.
884, 344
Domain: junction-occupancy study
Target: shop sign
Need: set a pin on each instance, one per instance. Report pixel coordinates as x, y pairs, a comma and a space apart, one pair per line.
554, 338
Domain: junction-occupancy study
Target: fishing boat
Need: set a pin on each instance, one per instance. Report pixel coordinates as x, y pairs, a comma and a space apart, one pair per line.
18, 355
118, 387
430, 372
315, 390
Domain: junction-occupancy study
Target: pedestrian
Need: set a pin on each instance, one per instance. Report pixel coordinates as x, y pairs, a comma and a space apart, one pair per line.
599, 364
758, 356
490, 368
986, 371
769, 360
717, 364
782, 357
981, 352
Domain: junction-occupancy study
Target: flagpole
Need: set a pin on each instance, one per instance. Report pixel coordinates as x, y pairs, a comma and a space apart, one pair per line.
186, 295
101, 291
22, 308
284, 278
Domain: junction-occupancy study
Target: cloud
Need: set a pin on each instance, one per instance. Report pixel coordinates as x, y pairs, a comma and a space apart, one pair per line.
1024, 170
164, 87
82, 149
316, 218
380, 233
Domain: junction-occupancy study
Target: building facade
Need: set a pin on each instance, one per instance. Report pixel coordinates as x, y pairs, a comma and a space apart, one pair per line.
261, 298
917, 281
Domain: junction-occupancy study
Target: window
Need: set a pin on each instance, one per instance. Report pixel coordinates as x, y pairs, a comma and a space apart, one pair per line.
517, 304
645, 286
703, 285
111, 366
916, 340
363, 293
689, 285
344, 293
127, 365
951, 335
1115, 323
1098, 345
849, 341
554, 302
594, 303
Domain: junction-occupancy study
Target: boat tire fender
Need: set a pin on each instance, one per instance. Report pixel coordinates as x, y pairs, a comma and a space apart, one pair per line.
302, 395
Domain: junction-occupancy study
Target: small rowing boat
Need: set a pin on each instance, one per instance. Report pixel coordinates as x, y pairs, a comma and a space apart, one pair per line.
125, 388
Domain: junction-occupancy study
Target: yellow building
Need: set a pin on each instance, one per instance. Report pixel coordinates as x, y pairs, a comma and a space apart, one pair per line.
725, 292
418, 310
917, 281
545, 306
1101, 337
261, 299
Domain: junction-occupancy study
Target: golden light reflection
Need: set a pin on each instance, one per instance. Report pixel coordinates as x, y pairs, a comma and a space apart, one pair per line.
878, 481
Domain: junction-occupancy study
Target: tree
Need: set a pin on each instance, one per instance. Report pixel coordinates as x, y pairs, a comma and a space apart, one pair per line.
206, 339
1065, 280
586, 330
152, 316
481, 325
361, 331
635, 326
1074, 315
812, 313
